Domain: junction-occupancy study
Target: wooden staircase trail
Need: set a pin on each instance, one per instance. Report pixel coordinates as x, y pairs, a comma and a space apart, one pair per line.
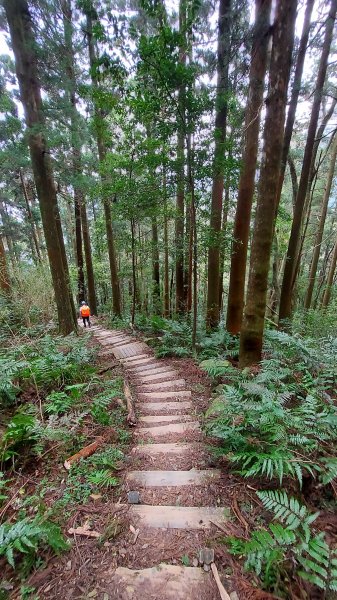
166, 432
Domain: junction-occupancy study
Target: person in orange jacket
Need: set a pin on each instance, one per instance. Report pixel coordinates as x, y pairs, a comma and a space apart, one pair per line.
85, 313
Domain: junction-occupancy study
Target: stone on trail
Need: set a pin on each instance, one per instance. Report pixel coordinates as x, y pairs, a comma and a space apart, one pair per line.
167, 582
206, 556
133, 498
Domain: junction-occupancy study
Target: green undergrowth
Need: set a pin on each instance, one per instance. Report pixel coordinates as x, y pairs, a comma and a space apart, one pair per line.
174, 338
277, 426
53, 404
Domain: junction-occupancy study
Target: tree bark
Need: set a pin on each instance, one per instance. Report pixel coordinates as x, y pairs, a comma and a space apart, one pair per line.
295, 93
246, 185
5, 285
320, 230
251, 337
292, 252
99, 121
166, 252
30, 217
180, 201
20, 26
213, 265
331, 273
155, 267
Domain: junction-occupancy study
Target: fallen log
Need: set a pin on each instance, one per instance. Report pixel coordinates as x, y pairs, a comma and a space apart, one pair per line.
84, 531
83, 453
131, 418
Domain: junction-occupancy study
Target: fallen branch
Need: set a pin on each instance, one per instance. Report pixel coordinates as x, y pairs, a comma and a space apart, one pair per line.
222, 591
131, 418
84, 531
83, 453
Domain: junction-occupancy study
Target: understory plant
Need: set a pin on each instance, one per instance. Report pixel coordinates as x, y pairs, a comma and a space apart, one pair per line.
282, 420
289, 544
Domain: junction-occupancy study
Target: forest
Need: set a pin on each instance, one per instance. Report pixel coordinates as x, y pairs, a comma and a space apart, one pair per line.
173, 166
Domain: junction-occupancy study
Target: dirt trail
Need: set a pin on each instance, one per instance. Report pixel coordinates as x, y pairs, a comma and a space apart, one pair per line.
178, 510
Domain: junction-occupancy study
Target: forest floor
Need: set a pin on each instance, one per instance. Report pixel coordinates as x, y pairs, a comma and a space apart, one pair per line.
186, 499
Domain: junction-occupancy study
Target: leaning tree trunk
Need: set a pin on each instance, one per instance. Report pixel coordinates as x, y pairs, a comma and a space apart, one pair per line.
246, 185
20, 26
99, 119
320, 230
213, 265
293, 246
253, 323
331, 274
30, 217
155, 267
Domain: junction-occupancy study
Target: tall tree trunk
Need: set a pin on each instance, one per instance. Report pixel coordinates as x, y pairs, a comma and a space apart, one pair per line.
331, 274
20, 26
213, 266
246, 186
155, 267
166, 252
99, 121
5, 285
88, 259
81, 222
292, 252
251, 337
295, 93
180, 201
30, 217
320, 230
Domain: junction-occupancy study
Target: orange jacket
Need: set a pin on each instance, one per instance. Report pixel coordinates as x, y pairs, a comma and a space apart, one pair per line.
85, 311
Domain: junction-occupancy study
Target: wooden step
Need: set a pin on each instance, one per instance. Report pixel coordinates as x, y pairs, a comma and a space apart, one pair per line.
142, 359
171, 478
164, 395
173, 448
167, 582
174, 383
157, 407
178, 517
160, 430
133, 349
154, 377
156, 419
149, 370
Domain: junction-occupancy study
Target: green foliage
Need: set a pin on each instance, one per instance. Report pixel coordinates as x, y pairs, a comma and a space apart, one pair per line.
281, 421
47, 361
27, 535
20, 430
272, 552
102, 478
215, 367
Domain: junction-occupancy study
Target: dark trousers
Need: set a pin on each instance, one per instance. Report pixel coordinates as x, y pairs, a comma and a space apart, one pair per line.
86, 320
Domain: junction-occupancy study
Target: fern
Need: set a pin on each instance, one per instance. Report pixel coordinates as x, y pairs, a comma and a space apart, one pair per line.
267, 550
102, 478
26, 536
215, 368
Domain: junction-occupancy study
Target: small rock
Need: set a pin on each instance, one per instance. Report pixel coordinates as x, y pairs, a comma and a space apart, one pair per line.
122, 552
68, 565
234, 596
195, 562
92, 594
206, 556
178, 501
133, 498
105, 596
206, 568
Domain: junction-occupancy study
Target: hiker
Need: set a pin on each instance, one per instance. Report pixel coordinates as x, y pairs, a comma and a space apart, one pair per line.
85, 313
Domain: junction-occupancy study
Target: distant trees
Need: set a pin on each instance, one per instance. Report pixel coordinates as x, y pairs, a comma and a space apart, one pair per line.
19, 21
